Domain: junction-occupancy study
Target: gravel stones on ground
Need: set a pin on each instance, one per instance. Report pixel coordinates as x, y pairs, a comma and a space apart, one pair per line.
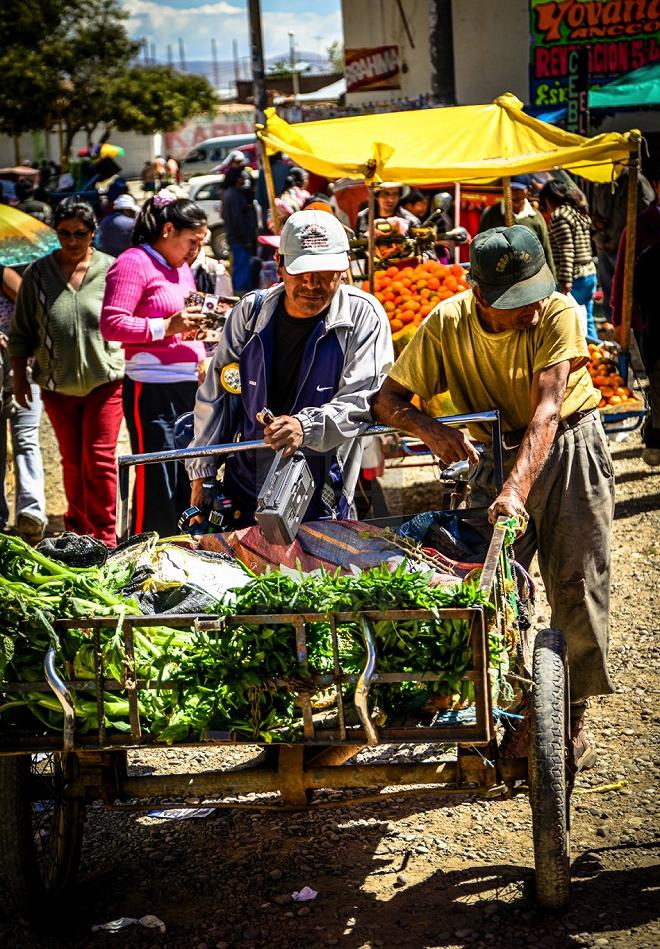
408, 872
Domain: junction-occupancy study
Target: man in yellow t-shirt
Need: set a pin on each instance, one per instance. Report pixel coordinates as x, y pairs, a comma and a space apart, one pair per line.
514, 344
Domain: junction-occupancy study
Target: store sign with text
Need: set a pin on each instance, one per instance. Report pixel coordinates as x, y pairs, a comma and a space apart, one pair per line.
372, 67
622, 35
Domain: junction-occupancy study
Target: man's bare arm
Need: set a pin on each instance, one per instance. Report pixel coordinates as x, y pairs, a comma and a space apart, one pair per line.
547, 396
391, 406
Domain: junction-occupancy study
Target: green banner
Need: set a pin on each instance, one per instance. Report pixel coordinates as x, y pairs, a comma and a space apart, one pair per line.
622, 35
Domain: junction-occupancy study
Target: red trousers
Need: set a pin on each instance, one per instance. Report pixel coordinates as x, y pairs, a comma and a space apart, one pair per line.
87, 429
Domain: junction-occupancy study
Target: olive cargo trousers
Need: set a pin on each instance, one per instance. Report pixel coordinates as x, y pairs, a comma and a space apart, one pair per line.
571, 507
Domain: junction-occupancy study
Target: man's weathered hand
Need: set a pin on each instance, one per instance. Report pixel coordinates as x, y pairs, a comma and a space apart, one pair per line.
197, 498
284, 432
450, 444
507, 503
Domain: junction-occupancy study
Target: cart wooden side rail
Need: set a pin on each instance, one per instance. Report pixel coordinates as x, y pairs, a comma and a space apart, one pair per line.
368, 733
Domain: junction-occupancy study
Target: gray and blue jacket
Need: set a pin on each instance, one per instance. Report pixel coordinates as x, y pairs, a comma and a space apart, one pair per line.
344, 365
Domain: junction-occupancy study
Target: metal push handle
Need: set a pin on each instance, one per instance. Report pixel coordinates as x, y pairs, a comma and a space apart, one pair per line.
363, 685
63, 696
125, 462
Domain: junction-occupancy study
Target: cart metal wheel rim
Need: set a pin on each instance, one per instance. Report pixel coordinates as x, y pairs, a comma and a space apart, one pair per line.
49, 818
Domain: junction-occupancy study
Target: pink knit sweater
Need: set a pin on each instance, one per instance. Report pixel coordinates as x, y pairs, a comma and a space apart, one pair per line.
140, 293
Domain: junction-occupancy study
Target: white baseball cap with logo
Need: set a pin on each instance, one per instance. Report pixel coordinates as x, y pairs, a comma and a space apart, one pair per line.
313, 241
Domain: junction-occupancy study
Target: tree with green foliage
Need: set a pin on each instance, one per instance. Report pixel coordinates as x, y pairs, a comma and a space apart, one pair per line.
72, 64
280, 69
152, 99
335, 53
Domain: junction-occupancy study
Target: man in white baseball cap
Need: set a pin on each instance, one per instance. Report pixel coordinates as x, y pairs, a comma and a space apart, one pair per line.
311, 349
314, 242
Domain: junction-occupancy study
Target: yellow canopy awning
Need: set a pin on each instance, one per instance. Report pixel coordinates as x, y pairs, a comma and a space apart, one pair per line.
477, 143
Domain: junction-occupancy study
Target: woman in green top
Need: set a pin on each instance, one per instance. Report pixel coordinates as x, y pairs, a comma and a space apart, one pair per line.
56, 320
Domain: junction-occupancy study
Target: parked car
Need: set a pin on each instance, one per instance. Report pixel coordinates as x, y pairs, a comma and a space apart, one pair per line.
250, 152
206, 155
206, 191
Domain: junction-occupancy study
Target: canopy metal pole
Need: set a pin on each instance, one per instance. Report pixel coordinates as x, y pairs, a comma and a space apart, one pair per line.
457, 218
508, 206
371, 237
270, 186
629, 259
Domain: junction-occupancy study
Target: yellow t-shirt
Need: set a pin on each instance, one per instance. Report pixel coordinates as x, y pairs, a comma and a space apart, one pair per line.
482, 371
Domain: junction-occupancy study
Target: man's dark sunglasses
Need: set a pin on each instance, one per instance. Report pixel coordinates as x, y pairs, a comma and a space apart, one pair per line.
77, 235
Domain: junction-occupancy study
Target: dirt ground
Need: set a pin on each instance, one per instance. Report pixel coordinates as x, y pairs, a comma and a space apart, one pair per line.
412, 872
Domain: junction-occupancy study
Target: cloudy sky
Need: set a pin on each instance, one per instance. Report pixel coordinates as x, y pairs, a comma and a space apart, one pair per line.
315, 25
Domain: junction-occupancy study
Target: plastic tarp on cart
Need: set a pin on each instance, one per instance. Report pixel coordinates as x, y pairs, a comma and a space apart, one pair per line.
465, 143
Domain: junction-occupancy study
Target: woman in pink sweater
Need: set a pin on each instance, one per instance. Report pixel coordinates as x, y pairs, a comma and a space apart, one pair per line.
144, 309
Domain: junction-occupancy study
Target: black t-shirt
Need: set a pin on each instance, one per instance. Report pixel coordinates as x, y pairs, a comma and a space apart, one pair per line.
291, 335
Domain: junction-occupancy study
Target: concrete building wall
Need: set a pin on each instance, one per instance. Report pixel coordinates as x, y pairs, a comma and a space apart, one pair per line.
371, 23
34, 147
491, 49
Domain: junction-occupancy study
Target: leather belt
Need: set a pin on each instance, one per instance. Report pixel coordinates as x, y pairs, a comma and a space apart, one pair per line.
511, 440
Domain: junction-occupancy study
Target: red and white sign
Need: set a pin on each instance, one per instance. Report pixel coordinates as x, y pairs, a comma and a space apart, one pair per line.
374, 67
232, 119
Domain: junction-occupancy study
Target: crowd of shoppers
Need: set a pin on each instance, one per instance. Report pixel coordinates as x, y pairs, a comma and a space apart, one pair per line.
100, 330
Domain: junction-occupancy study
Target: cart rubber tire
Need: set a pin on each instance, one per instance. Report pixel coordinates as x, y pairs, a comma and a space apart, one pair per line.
38, 878
549, 789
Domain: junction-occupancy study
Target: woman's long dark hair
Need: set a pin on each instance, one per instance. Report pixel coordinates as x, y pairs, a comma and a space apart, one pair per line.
74, 208
555, 193
181, 214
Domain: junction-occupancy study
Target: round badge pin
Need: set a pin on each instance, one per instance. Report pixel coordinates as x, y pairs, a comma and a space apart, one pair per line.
230, 378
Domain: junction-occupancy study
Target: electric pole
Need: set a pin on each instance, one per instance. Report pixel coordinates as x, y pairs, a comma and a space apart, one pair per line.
257, 56
294, 71
237, 65
216, 67
182, 56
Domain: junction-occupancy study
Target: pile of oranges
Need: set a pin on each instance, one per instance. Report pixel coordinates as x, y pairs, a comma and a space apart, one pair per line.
605, 376
409, 294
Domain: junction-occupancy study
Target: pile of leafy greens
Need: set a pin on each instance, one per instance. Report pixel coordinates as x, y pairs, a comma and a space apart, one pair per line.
240, 678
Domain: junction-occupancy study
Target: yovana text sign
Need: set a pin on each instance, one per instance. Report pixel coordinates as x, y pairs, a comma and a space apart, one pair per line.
622, 35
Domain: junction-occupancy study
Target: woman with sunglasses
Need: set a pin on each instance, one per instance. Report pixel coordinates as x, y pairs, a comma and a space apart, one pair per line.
56, 321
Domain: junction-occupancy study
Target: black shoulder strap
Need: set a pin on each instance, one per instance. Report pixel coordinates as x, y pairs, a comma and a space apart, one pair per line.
257, 304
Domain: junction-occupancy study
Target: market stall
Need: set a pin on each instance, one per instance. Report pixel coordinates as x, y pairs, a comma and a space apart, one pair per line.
477, 144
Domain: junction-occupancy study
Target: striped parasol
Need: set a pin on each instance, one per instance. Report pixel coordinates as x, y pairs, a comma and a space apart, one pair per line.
23, 238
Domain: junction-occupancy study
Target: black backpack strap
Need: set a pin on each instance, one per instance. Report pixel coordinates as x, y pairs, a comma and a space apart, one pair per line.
257, 303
